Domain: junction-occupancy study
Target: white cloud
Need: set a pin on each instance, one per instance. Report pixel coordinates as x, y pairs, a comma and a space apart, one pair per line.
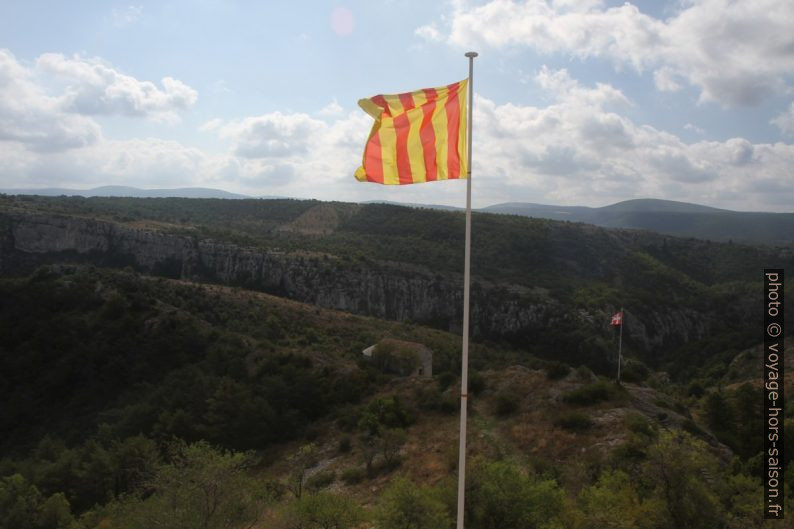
94, 87
785, 120
576, 151
211, 125
332, 109
273, 135
580, 148
563, 88
143, 162
429, 32
44, 119
50, 136
735, 53
124, 16
665, 80
32, 118
694, 128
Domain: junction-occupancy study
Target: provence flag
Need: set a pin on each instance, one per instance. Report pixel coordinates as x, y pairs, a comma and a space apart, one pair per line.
417, 136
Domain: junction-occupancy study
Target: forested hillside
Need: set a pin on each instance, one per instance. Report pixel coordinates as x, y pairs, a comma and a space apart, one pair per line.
154, 373
131, 401
543, 286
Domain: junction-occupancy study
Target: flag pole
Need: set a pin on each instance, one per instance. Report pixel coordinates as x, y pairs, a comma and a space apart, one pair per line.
464, 382
620, 340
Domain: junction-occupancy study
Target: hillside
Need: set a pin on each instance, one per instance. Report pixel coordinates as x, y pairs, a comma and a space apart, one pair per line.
680, 219
112, 382
545, 287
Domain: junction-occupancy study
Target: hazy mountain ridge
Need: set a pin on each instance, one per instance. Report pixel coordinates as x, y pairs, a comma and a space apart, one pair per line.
673, 218
127, 191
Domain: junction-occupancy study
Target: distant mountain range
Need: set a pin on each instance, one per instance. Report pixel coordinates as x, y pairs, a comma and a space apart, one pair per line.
125, 191
681, 219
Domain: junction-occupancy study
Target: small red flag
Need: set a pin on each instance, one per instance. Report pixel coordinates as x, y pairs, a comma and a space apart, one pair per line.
617, 318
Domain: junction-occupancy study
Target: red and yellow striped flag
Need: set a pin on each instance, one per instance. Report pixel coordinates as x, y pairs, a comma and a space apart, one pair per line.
417, 136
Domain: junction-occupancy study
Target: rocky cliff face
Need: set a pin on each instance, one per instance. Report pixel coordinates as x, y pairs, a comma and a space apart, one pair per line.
383, 290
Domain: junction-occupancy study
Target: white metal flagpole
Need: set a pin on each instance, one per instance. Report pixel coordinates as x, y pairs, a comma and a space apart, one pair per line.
464, 377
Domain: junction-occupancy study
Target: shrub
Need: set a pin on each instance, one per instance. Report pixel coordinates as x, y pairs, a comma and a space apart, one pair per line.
505, 497
689, 426
432, 399
574, 422
585, 374
445, 380
353, 475
390, 443
320, 480
593, 393
384, 412
639, 424
407, 505
324, 511
696, 390
557, 370
634, 371
506, 402
629, 453
347, 418
476, 382
344, 444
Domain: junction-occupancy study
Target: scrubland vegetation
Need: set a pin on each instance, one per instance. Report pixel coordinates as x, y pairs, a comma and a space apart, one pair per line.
132, 401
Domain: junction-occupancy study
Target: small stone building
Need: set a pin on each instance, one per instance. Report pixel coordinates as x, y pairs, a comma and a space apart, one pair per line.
398, 357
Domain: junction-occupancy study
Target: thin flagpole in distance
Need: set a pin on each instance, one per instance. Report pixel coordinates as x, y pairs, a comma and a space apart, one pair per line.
620, 341
464, 377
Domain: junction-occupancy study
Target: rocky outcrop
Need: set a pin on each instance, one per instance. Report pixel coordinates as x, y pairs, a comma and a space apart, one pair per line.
383, 290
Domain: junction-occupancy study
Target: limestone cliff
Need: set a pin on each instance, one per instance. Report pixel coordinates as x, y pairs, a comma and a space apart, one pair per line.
384, 290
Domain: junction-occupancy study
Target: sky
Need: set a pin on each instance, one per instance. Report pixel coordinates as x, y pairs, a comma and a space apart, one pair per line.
577, 102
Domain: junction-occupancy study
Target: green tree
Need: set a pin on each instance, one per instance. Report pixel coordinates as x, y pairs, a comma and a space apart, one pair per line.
322, 511
55, 513
19, 502
719, 414
405, 505
390, 442
742, 493
200, 488
683, 474
500, 496
749, 420
303, 460
22, 506
614, 503
135, 460
368, 445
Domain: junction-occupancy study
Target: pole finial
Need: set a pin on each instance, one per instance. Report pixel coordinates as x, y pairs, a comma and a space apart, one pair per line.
471, 54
